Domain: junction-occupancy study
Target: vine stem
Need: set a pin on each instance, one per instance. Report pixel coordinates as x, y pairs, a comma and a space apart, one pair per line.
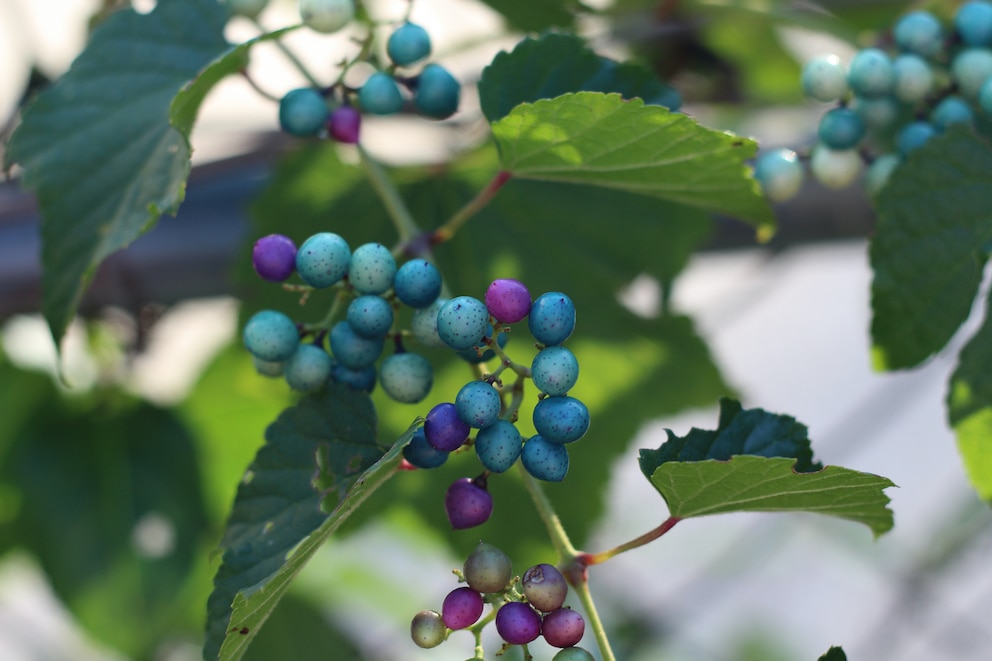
405, 225
291, 56
450, 228
588, 559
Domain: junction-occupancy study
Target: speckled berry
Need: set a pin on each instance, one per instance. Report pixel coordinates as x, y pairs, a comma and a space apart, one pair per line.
462, 608
508, 300
424, 325
308, 368
422, 454
274, 257
427, 629
372, 269
370, 315
361, 378
552, 318
417, 283
323, 259
545, 460
478, 404
563, 627
518, 623
555, 370
498, 446
271, 335
351, 349
561, 419
487, 569
545, 587
406, 377
444, 429
462, 322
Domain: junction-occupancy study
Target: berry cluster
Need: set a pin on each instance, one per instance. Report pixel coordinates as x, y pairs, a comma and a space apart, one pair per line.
524, 608
337, 110
890, 101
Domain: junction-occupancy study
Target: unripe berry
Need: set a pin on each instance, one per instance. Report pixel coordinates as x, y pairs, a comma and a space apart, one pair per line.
545, 587
427, 629
487, 569
573, 654
308, 368
406, 377
271, 335
327, 15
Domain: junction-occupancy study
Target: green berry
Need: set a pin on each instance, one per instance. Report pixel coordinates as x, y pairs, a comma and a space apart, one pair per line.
487, 569
427, 629
327, 15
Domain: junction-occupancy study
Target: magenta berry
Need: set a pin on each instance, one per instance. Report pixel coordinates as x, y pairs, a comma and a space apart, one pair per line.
563, 628
508, 300
487, 569
345, 124
274, 257
544, 587
427, 629
467, 503
444, 429
518, 623
461, 608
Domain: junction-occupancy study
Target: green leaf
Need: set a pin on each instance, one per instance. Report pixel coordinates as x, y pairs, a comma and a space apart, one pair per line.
298, 630
746, 483
555, 64
834, 654
98, 148
320, 456
931, 242
536, 15
603, 140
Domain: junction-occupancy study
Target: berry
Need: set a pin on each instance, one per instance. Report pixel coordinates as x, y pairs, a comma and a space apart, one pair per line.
345, 124
498, 446
462, 608
437, 94
834, 168
370, 315
913, 136
545, 460
467, 504
406, 377
780, 174
427, 629
444, 429
408, 44
249, 8
970, 69
362, 378
424, 325
878, 173
508, 300
271, 336
919, 32
302, 112
545, 587
518, 623
422, 454
487, 569
274, 257
913, 78
462, 322
480, 353
552, 318
380, 95
952, 110
327, 15
323, 259
308, 368
417, 283
870, 73
561, 419
554, 370
351, 349
267, 367
973, 22
877, 114
372, 269
841, 128
478, 404
573, 654
824, 79
563, 627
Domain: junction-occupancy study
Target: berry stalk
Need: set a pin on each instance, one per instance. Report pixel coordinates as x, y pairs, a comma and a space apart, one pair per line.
476, 204
406, 226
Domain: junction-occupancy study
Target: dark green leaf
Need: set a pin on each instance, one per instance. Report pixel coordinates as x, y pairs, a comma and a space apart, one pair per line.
834, 654
536, 15
298, 630
931, 243
603, 140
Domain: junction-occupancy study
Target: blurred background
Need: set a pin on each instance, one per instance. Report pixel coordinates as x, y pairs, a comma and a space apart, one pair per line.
114, 491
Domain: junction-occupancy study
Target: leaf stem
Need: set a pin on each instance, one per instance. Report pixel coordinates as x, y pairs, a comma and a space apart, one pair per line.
477, 203
405, 225
588, 559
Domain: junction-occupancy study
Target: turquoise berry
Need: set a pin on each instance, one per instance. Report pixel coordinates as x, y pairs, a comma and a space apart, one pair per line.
362, 378
554, 370
323, 259
406, 377
919, 32
780, 174
417, 283
552, 318
952, 110
498, 446
478, 404
913, 136
545, 460
302, 112
271, 336
870, 73
970, 69
408, 44
835, 168
462, 322
561, 419
351, 349
422, 454
308, 369
424, 325
878, 114
824, 79
372, 269
437, 94
370, 315
268, 368
913, 78
380, 95
841, 128
878, 173
973, 23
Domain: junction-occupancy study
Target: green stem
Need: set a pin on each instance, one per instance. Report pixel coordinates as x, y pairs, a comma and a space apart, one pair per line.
592, 616
405, 225
325, 323
448, 230
291, 56
597, 558
559, 538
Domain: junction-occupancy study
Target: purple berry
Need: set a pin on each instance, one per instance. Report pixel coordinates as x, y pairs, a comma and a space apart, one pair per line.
518, 623
344, 124
467, 504
427, 629
274, 257
444, 429
487, 569
563, 628
544, 587
508, 300
461, 608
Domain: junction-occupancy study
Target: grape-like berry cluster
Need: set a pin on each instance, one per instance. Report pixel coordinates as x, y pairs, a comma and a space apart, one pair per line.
524, 608
889, 101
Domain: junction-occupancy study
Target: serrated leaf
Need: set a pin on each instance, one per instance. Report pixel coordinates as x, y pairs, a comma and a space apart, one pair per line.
747, 483
555, 64
320, 456
98, 148
603, 140
753, 431
834, 654
931, 243
536, 15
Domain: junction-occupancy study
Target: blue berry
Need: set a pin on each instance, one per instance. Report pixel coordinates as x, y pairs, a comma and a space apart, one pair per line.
870, 73
302, 112
362, 378
952, 110
417, 283
462, 322
561, 419
498, 446
545, 460
380, 95
351, 349
408, 44
308, 368
323, 259
824, 79
552, 318
370, 315
444, 429
478, 404
422, 454
480, 353
780, 174
973, 22
271, 336
438, 93
424, 325
919, 32
372, 269
913, 136
554, 370
841, 128
406, 377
